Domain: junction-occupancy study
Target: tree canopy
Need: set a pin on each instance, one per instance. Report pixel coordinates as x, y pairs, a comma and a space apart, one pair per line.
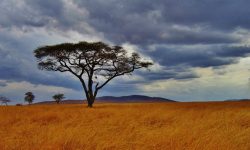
94, 64
58, 97
29, 97
4, 100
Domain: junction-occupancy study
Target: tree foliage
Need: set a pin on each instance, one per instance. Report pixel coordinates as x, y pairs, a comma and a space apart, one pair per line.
29, 97
94, 64
4, 100
58, 97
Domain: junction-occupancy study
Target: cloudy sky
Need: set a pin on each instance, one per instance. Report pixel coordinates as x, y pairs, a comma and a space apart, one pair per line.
200, 47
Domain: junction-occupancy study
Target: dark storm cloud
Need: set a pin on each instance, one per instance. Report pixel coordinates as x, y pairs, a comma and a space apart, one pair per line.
145, 22
165, 74
18, 75
47, 8
141, 22
138, 22
211, 56
18, 64
19, 14
27, 15
147, 76
240, 51
222, 14
3, 84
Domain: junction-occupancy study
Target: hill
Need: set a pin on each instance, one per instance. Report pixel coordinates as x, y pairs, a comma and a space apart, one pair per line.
235, 100
113, 99
132, 98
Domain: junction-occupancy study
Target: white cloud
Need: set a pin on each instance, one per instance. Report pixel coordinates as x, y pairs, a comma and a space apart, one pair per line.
211, 86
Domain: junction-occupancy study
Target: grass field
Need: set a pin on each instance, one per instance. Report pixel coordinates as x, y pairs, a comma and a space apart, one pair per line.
214, 126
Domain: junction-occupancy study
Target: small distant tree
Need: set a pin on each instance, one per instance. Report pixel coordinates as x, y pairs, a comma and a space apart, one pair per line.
58, 97
94, 64
4, 100
29, 97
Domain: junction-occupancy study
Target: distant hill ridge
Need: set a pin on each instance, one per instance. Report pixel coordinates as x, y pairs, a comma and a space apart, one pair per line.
114, 99
231, 100
132, 98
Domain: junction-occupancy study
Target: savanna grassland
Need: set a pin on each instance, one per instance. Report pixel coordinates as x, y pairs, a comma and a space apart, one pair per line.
213, 125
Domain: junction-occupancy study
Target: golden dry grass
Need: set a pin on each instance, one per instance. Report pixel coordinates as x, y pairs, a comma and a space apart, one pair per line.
216, 125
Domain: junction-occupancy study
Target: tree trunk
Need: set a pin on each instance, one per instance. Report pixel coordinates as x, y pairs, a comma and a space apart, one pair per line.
90, 101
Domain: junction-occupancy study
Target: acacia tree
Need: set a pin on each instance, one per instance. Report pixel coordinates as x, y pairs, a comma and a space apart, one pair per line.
4, 100
94, 64
29, 97
58, 97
